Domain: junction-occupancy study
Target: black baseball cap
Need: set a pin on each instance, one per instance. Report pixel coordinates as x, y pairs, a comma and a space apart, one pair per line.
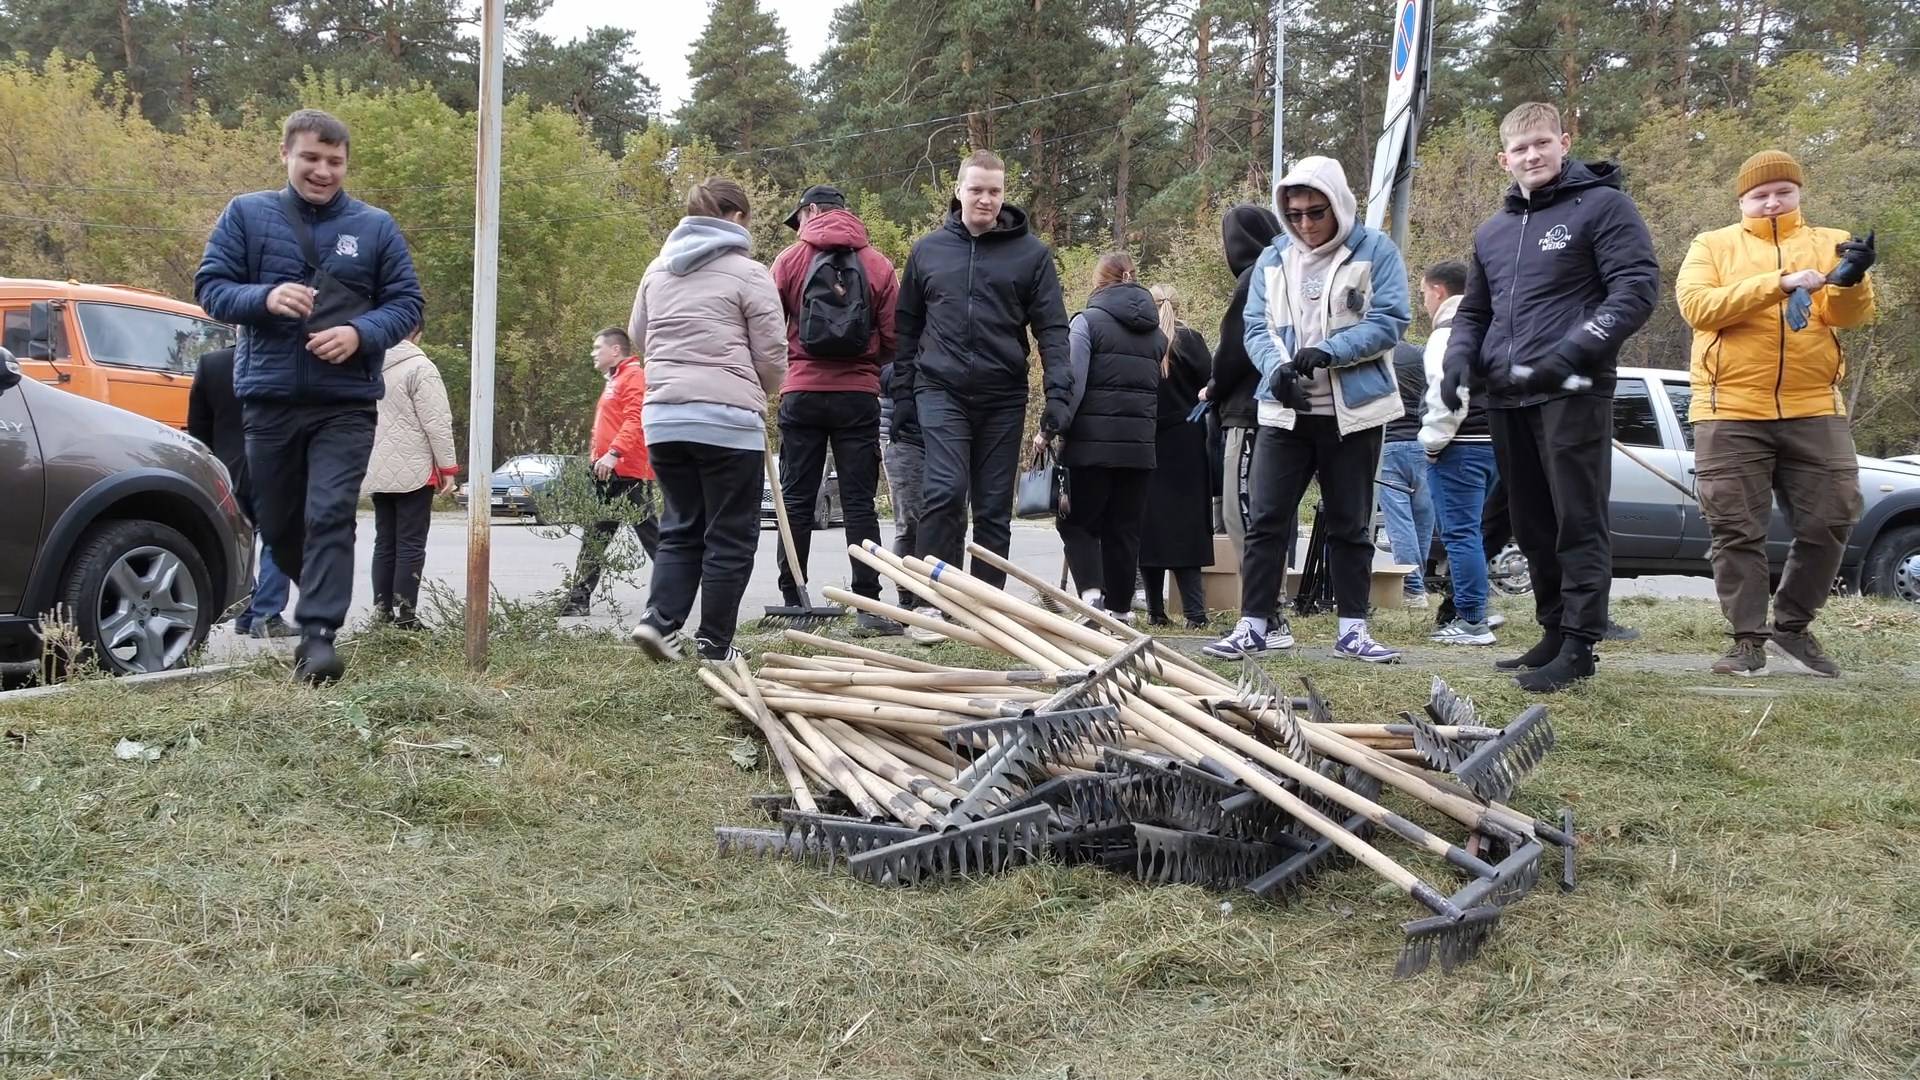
817, 195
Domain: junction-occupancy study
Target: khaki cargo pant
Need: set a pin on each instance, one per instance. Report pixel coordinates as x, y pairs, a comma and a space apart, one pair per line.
1809, 465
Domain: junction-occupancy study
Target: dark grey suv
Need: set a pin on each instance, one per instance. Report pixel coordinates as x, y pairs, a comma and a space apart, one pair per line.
122, 526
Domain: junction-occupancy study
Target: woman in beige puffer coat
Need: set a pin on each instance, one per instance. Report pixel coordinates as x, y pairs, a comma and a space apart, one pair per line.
413, 457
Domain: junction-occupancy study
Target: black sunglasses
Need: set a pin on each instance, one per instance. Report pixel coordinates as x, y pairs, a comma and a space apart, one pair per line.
1314, 214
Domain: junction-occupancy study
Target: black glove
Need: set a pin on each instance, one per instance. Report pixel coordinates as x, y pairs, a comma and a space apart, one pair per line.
1453, 377
1308, 359
1284, 385
1857, 256
1555, 372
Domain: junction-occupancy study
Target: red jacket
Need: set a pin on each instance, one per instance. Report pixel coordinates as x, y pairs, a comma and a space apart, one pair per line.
836, 229
616, 420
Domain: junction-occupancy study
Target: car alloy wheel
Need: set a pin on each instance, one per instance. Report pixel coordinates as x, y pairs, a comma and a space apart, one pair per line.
149, 607
1906, 578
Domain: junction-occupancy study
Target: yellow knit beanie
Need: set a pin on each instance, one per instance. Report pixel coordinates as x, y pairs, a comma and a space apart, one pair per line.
1765, 167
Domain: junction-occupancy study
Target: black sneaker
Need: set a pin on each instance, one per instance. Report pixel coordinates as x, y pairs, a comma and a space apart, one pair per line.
576, 607
1802, 650
717, 654
1573, 664
316, 662
272, 627
665, 646
871, 624
1616, 632
1539, 656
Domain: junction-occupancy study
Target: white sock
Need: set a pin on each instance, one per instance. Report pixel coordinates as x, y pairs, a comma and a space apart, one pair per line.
1353, 624
1259, 625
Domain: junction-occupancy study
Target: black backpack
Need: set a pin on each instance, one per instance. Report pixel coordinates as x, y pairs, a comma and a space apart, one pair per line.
835, 318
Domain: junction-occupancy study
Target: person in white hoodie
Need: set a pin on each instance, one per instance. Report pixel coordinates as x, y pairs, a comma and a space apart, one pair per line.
1461, 466
413, 457
1325, 307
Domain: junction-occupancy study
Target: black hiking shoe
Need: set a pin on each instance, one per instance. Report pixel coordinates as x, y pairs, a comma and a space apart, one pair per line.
315, 662
1539, 656
1574, 663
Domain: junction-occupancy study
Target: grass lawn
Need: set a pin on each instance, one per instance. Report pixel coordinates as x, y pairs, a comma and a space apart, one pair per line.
305, 887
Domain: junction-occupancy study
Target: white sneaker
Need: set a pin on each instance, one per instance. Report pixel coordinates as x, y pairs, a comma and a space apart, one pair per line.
1357, 644
1462, 632
1415, 600
1245, 640
1496, 620
923, 636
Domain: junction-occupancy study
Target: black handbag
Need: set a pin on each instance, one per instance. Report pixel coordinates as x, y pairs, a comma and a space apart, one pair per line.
335, 303
1038, 489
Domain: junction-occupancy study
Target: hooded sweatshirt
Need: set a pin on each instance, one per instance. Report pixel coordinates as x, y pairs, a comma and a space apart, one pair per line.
707, 319
1116, 347
1567, 269
833, 230
966, 304
1357, 318
1245, 232
1308, 273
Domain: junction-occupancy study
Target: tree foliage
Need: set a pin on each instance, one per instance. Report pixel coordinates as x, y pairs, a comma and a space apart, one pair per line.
125, 125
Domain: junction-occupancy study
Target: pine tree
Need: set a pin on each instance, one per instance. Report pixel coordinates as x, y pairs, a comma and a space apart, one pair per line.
746, 92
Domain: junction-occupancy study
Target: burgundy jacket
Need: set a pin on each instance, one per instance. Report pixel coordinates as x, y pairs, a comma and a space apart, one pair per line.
836, 229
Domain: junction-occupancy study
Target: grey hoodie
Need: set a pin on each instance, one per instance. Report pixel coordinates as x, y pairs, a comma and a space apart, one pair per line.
708, 322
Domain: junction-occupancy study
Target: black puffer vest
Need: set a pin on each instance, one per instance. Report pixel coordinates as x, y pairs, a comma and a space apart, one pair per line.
1114, 426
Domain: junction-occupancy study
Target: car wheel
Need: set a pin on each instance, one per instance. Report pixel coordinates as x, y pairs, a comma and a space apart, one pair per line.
1892, 569
139, 595
1507, 572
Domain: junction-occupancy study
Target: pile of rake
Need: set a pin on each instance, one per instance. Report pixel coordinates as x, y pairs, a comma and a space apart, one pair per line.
1107, 748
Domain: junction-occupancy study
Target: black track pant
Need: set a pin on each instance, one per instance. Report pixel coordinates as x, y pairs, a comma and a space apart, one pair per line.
1556, 460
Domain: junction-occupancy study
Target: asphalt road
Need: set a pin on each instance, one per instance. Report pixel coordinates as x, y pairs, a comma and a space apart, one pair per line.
529, 561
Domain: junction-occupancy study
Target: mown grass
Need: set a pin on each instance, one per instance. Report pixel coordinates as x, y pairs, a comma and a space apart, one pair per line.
298, 890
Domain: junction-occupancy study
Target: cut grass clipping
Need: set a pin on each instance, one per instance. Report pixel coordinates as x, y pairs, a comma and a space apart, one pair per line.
418, 875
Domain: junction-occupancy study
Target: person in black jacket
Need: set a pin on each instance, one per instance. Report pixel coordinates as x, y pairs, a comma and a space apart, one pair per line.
1177, 537
1107, 430
1245, 232
971, 291
1558, 281
213, 417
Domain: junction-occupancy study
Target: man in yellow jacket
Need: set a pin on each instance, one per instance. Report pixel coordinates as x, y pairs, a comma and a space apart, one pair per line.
1767, 410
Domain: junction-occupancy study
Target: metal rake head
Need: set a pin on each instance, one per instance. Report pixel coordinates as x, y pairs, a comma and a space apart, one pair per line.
1453, 939
1165, 791
980, 847
835, 838
1111, 680
1183, 857
1289, 878
1264, 700
1318, 710
1108, 845
1449, 707
803, 617
1081, 800
998, 776
1513, 877
1054, 736
1497, 765
1438, 750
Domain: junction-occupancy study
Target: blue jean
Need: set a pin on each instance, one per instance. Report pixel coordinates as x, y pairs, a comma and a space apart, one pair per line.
1407, 505
270, 586
1462, 476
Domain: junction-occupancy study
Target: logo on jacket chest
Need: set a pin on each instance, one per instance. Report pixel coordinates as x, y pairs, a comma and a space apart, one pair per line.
1557, 239
347, 246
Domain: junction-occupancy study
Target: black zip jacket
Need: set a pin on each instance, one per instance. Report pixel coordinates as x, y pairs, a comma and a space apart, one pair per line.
1245, 232
966, 304
1570, 270
213, 417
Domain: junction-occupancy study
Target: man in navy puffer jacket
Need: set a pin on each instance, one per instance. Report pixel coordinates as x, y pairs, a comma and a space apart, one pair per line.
309, 397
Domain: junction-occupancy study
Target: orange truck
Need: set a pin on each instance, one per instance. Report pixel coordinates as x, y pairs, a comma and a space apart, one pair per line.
133, 348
